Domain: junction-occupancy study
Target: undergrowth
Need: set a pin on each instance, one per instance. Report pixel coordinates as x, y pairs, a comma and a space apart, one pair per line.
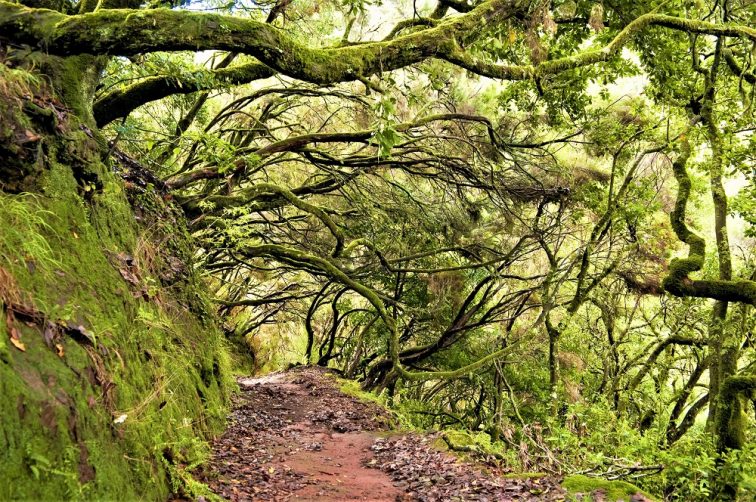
590, 442
587, 444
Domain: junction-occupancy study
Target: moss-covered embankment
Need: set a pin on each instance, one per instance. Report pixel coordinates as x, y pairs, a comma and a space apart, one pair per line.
112, 368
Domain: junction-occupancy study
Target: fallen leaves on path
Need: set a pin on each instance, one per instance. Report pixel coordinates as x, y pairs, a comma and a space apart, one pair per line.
295, 436
427, 474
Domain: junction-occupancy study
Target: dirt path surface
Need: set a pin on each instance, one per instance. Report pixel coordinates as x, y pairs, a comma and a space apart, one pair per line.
295, 436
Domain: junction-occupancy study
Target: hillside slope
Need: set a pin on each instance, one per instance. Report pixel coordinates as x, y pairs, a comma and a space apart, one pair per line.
112, 368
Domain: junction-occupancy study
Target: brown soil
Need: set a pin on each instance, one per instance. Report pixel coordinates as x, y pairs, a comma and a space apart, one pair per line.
295, 436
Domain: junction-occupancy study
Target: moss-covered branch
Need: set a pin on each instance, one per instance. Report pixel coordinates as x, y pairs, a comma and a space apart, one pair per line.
256, 199
336, 273
314, 210
292, 144
672, 340
612, 49
731, 421
737, 68
601, 227
297, 143
677, 280
127, 32
120, 102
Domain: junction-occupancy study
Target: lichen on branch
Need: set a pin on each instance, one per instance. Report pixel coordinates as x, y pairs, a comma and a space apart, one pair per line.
127, 32
118, 103
678, 281
130, 31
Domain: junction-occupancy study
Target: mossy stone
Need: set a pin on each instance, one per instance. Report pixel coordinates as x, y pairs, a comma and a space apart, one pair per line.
587, 488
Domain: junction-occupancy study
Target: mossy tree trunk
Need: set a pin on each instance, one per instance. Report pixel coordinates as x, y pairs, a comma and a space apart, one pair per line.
718, 332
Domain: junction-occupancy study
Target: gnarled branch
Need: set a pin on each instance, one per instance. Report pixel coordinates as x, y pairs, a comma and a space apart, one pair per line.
678, 281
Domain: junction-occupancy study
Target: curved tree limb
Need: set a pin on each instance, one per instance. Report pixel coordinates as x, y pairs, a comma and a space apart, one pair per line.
128, 32
671, 340
736, 67
677, 281
612, 49
298, 143
336, 273
120, 102
316, 211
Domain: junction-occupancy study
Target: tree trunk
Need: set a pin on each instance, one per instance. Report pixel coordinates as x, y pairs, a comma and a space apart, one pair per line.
554, 374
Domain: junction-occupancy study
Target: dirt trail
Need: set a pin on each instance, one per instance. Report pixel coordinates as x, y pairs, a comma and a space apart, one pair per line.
295, 436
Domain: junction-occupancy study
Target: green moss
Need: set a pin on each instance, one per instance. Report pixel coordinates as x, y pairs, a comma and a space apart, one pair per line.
352, 388
124, 411
459, 440
440, 444
472, 442
601, 489
677, 281
732, 422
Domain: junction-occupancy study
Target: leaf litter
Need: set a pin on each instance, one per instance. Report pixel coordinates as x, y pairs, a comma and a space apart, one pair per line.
295, 436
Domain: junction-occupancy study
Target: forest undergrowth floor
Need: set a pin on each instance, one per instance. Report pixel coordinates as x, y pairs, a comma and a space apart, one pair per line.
296, 436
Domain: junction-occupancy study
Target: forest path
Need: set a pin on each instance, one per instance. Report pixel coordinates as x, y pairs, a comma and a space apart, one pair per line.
295, 436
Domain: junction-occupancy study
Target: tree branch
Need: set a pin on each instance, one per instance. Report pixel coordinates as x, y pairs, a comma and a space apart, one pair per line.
128, 32
120, 102
677, 281
525, 72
